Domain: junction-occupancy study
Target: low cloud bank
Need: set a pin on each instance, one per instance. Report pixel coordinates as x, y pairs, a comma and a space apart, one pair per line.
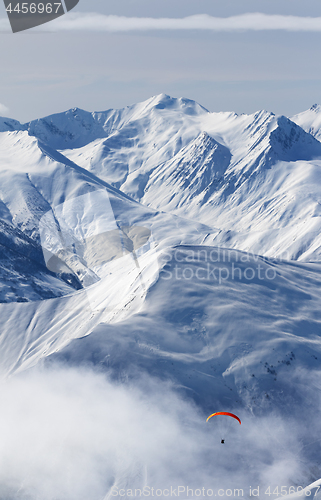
74, 434
93, 21
248, 22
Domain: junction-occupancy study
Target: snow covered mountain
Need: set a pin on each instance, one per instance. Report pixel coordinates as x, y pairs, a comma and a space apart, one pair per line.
251, 176
310, 120
178, 253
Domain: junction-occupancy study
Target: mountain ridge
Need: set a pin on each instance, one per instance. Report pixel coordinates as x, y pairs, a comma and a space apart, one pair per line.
224, 170
167, 250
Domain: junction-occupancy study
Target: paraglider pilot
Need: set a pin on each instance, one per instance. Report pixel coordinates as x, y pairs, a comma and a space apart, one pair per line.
224, 413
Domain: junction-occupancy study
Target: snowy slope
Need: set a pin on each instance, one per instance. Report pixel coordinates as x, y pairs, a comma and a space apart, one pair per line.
251, 179
153, 150
9, 125
250, 346
77, 127
310, 120
124, 233
229, 328
221, 169
64, 230
24, 275
36, 180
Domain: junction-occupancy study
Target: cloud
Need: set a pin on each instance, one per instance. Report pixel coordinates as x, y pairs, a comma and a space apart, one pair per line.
76, 434
4, 111
247, 22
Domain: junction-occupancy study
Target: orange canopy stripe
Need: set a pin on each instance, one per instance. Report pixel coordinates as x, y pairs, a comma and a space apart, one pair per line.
224, 413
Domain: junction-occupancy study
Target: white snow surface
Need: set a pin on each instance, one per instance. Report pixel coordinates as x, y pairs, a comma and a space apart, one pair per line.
157, 264
310, 120
251, 175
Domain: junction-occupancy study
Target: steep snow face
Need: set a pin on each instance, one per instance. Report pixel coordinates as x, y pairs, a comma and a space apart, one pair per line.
220, 169
159, 297
9, 125
23, 274
252, 181
136, 148
31, 184
76, 127
229, 328
190, 177
310, 120
68, 236
62, 226
229, 331
145, 140
290, 143
139, 138
253, 176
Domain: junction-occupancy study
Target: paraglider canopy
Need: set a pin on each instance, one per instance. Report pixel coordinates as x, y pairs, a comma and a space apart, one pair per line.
224, 413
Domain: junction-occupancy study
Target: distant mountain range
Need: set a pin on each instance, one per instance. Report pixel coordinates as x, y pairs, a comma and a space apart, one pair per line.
252, 179
165, 241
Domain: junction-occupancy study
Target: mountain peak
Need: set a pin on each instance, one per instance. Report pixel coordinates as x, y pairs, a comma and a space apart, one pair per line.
187, 106
162, 101
291, 143
310, 120
316, 108
9, 125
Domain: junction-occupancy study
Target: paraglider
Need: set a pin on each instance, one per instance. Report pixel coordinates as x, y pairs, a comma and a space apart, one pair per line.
224, 413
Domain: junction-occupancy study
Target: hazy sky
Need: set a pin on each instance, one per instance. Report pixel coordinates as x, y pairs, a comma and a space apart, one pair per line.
243, 63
